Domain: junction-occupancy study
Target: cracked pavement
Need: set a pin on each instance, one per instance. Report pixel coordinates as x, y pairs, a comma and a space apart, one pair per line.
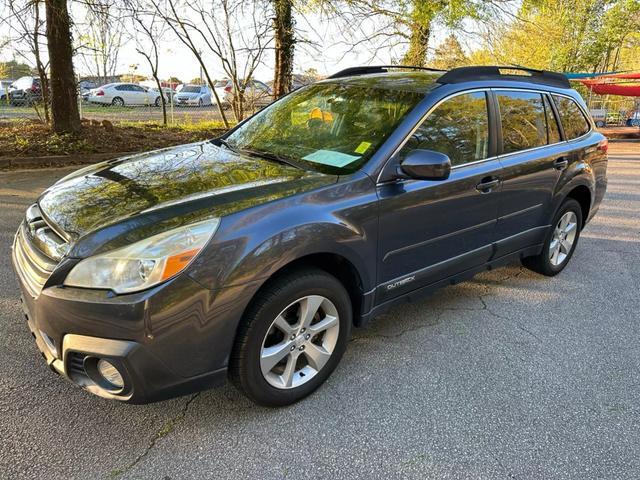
510, 375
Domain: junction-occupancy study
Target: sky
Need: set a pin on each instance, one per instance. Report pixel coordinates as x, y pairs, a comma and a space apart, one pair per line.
322, 48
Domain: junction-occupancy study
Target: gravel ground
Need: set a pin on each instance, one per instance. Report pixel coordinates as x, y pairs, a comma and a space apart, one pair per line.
511, 375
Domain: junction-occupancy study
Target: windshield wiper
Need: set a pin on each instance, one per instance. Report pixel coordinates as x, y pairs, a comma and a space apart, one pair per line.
272, 157
228, 145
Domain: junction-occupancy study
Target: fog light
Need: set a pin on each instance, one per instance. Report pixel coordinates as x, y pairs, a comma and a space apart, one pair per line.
110, 373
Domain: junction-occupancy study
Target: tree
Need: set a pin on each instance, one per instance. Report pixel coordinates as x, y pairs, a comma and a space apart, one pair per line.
449, 54
233, 31
101, 38
147, 29
13, 69
284, 46
64, 101
26, 23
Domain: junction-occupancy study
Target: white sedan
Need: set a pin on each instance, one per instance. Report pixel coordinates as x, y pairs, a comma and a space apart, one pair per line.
121, 94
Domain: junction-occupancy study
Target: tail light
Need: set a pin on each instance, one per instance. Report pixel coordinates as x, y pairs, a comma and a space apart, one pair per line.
227, 89
100, 93
603, 146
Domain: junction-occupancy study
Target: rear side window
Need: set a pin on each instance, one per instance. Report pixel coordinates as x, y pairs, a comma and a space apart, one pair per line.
459, 128
573, 120
523, 120
552, 124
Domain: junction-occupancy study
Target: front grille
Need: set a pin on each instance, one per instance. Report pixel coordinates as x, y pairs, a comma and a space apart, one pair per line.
37, 250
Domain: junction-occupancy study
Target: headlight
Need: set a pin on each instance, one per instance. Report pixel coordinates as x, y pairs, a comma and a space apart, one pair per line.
145, 263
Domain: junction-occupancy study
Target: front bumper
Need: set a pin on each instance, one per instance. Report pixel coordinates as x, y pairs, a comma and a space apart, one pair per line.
171, 340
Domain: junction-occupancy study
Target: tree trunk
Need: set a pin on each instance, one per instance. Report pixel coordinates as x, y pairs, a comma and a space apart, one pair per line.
284, 48
418, 43
64, 98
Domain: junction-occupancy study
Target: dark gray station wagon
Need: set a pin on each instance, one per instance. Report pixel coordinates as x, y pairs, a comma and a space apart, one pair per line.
251, 256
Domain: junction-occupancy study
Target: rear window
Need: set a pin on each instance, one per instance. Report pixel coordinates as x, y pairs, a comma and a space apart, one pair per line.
573, 120
523, 120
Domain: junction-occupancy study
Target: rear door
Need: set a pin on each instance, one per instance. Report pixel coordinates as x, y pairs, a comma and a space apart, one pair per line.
430, 230
531, 155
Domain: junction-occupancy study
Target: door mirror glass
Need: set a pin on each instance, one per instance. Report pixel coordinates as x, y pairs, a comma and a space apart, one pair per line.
426, 165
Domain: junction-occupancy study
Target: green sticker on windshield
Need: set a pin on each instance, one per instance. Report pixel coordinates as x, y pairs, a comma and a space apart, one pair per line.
331, 158
363, 147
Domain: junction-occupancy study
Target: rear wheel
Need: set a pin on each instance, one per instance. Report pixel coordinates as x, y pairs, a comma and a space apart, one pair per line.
291, 338
157, 102
561, 241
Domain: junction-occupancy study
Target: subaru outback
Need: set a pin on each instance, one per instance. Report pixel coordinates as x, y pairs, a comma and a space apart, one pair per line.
252, 256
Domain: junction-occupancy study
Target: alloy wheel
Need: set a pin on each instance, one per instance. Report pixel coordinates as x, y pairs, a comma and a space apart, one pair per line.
299, 342
564, 235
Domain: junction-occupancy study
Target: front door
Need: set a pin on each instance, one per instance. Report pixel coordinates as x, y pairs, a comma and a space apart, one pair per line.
430, 230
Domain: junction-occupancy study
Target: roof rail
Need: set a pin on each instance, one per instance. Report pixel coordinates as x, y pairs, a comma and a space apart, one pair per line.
365, 70
465, 74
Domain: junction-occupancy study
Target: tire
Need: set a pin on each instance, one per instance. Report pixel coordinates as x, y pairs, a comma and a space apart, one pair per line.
200, 103
284, 298
157, 103
117, 102
545, 263
600, 124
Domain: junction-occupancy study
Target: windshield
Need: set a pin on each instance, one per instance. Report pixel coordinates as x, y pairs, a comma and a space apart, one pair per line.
327, 127
191, 89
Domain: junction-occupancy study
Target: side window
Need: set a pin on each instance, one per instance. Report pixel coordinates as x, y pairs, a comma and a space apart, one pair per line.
459, 128
121, 88
573, 121
523, 120
552, 125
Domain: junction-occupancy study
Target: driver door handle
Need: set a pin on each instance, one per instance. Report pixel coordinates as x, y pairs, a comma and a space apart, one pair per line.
560, 163
487, 184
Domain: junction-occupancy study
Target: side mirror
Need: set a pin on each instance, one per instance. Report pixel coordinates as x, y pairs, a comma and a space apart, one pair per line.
426, 165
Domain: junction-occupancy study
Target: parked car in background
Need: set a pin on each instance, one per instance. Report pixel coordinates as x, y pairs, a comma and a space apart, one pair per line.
252, 255
169, 93
25, 91
193, 96
121, 94
4, 89
257, 94
634, 119
219, 87
599, 116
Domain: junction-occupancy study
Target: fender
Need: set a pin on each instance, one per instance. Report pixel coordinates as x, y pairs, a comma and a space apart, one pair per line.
340, 220
578, 174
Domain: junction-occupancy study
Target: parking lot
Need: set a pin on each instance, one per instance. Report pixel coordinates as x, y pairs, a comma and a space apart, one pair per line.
510, 375
175, 115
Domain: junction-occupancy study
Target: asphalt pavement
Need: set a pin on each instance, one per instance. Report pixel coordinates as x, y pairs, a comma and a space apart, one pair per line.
510, 375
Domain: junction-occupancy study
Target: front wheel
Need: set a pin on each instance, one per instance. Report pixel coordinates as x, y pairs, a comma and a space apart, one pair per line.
291, 338
117, 102
561, 241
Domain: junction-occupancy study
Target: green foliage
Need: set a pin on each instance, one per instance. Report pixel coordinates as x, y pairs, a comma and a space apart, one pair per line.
449, 54
14, 70
570, 35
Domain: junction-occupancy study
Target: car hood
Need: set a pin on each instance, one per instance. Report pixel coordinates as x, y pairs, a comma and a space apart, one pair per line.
116, 202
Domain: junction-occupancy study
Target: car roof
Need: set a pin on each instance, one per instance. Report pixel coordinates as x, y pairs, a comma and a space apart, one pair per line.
421, 79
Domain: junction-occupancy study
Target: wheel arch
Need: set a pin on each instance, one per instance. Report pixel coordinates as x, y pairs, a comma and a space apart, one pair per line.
582, 194
332, 263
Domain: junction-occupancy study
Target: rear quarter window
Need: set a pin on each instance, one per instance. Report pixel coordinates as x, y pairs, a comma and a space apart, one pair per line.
573, 120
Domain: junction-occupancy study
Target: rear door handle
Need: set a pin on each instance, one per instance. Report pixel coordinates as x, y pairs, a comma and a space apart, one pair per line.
560, 163
487, 184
